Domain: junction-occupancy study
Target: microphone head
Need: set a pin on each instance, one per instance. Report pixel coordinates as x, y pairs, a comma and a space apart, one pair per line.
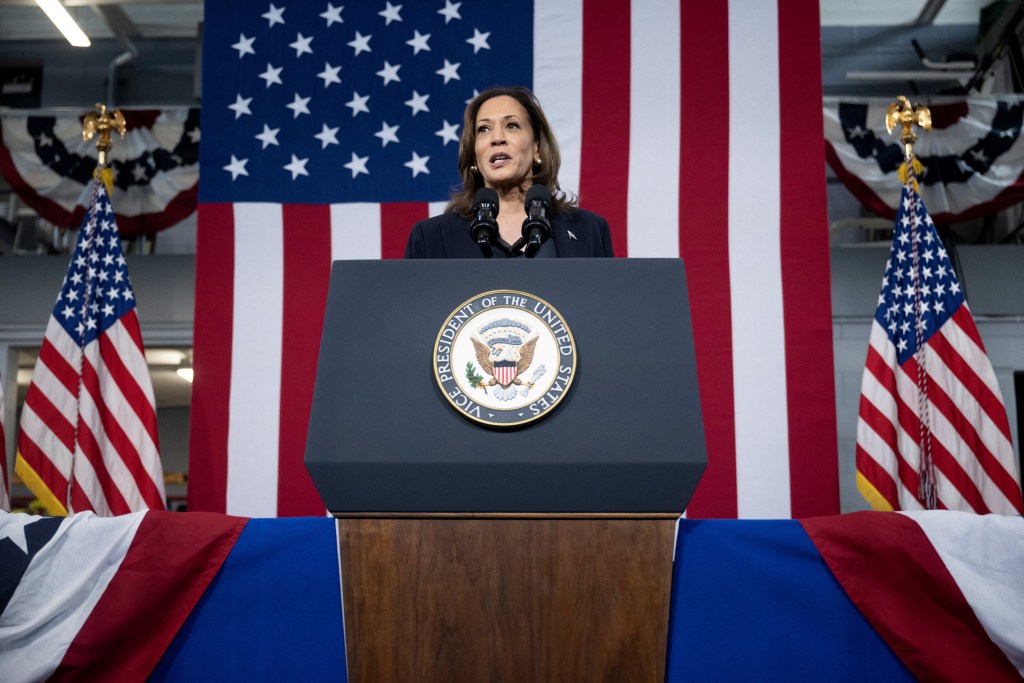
485, 195
538, 193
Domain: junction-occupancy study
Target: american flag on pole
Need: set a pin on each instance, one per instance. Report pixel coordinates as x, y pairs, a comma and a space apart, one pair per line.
88, 437
328, 131
932, 430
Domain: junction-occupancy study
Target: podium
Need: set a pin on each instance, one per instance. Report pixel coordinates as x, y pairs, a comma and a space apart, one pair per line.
474, 550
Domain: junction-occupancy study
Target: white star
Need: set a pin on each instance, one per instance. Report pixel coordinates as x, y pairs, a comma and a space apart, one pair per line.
979, 156
954, 287
357, 165
418, 103
450, 11
329, 74
391, 13
333, 15
940, 307
91, 323
479, 41
297, 167
241, 106
194, 136
418, 42
902, 345
272, 75
387, 134
389, 72
360, 44
127, 293
73, 295
44, 140
857, 132
275, 15
237, 167
14, 529
418, 164
138, 172
327, 136
449, 71
108, 309
449, 132
298, 105
268, 136
358, 103
244, 45
301, 45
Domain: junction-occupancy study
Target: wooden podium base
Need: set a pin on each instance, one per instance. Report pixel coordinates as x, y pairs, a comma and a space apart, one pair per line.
506, 598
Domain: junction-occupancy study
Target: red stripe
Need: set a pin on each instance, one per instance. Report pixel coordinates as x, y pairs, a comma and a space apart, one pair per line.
135, 397
969, 377
972, 441
59, 366
43, 466
125, 447
604, 154
882, 425
307, 230
396, 221
208, 441
941, 456
806, 284
170, 563
894, 576
50, 416
114, 501
704, 242
880, 478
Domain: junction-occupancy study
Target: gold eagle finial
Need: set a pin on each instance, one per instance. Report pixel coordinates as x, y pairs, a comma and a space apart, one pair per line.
906, 115
101, 122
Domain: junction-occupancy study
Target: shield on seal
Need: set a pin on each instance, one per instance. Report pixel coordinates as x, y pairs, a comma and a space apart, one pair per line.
505, 372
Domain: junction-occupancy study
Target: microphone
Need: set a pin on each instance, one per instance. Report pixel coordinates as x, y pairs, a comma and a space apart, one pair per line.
484, 228
536, 227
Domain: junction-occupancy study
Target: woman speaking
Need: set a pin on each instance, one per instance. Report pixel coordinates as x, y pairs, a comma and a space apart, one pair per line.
510, 204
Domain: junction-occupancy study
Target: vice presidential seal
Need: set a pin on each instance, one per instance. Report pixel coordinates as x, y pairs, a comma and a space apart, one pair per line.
504, 358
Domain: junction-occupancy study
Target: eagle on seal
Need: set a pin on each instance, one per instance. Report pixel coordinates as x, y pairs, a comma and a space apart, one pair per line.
487, 357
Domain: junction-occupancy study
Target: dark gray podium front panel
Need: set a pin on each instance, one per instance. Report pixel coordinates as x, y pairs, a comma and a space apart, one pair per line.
627, 437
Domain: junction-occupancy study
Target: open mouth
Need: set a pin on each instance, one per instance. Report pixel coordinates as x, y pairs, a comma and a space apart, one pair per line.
500, 159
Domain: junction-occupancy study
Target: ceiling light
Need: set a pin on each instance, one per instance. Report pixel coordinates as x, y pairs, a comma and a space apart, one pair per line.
64, 23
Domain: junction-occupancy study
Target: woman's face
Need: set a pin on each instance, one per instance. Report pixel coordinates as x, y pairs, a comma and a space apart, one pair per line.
505, 143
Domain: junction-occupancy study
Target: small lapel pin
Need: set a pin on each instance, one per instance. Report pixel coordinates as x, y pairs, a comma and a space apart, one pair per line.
571, 236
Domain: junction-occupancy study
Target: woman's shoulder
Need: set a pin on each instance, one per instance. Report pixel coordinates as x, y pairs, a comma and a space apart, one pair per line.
575, 214
441, 221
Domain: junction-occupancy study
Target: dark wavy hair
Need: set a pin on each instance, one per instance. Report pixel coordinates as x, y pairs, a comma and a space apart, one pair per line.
461, 201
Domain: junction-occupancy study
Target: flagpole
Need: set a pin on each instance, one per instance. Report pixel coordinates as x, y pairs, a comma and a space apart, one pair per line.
98, 123
906, 115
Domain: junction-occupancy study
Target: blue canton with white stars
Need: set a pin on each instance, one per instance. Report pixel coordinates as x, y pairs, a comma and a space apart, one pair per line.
935, 288
311, 102
96, 291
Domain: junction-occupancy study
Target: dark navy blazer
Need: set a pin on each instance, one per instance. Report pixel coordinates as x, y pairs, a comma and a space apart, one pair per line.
577, 233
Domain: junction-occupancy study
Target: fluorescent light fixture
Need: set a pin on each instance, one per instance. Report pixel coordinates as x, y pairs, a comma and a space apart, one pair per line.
64, 23
186, 373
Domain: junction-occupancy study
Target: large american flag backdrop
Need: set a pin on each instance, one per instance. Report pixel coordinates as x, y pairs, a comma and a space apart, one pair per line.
694, 127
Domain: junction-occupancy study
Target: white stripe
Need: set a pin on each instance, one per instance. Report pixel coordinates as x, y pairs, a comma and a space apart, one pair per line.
133, 358
113, 460
355, 231
942, 433
984, 554
55, 596
46, 439
558, 79
254, 404
653, 187
436, 208
758, 341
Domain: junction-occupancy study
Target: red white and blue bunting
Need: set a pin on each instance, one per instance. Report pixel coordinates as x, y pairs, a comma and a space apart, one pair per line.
973, 157
156, 166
